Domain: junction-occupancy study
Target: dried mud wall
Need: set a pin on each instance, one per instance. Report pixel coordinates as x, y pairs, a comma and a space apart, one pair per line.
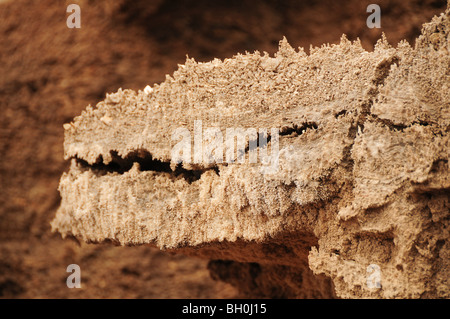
362, 181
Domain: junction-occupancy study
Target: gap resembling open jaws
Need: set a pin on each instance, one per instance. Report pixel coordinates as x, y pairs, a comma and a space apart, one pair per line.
122, 164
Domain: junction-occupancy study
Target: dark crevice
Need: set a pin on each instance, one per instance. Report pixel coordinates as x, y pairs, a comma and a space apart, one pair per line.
146, 162
293, 131
347, 159
121, 165
438, 165
341, 113
298, 130
397, 127
382, 70
385, 122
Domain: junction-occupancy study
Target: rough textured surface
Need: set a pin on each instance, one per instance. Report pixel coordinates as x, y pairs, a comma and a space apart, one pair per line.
50, 73
363, 170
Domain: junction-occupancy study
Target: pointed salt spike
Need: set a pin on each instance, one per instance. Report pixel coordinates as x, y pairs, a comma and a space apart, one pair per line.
301, 52
285, 48
382, 44
403, 44
189, 61
148, 90
357, 43
344, 39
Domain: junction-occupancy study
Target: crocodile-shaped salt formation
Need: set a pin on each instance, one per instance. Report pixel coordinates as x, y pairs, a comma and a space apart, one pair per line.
362, 181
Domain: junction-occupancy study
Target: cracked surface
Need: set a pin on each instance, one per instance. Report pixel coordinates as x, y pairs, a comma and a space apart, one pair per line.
363, 169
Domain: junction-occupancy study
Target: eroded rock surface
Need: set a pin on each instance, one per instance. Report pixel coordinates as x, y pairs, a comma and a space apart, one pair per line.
362, 178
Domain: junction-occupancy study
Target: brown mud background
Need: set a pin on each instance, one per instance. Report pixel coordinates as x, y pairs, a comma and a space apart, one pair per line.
49, 74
